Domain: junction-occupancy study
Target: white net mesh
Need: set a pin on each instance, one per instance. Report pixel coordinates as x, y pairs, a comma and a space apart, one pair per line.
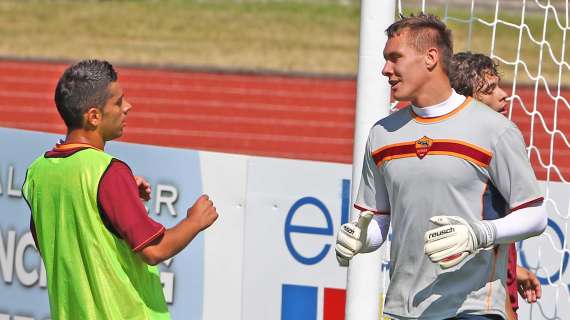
528, 39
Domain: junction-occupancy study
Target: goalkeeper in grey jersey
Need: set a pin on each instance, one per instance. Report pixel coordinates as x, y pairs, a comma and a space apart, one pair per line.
434, 171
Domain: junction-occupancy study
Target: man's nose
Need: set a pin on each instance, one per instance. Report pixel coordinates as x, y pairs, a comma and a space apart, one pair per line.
387, 69
502, 95
128, 106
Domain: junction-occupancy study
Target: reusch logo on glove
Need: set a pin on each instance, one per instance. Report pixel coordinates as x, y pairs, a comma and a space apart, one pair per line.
422, 146
441, 232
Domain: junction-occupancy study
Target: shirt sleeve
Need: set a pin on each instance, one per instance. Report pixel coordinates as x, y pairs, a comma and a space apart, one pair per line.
122, 210
511, 172
372, 194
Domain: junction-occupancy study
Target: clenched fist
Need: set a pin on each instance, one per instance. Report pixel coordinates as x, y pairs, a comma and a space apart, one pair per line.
202, 212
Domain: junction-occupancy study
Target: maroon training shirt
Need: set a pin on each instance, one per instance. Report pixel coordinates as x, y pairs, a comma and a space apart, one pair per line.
120, 206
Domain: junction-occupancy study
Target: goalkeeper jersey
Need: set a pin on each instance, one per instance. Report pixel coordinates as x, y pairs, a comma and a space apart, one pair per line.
461, 164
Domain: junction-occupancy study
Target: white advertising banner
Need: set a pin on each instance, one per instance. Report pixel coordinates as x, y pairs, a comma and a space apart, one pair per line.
224, 180
255, 268
270, 255
293, 211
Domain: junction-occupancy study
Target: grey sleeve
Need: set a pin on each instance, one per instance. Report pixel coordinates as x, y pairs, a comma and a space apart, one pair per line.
510, 170
372, 194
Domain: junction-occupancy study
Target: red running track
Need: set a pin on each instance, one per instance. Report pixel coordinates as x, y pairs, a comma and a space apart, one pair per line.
268, 115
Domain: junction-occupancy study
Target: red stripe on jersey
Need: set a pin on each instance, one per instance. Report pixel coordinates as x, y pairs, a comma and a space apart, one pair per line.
454, 148
395, 151
361, 208
528, 204
464, 149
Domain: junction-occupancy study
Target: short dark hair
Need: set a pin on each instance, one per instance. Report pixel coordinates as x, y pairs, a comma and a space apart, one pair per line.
469, 71
83, 85
425, 31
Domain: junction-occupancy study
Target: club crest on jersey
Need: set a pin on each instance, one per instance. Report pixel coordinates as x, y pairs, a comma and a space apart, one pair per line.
422, 146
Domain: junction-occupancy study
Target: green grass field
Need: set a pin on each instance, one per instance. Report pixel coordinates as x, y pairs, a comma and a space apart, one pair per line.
315, 36
312, 36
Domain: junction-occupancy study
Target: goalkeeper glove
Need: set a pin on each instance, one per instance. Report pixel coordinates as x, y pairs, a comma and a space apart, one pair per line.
454, 239
351, 238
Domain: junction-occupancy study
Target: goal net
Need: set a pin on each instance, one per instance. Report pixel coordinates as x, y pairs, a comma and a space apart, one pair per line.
528, 39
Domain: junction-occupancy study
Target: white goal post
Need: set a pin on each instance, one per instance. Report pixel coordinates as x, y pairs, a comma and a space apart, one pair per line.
372, 103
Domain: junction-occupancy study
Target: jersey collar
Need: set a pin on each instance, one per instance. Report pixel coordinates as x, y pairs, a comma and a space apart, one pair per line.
70, 146
442, 110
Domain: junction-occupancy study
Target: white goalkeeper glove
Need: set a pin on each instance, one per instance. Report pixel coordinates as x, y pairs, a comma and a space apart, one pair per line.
351, 237
454, 239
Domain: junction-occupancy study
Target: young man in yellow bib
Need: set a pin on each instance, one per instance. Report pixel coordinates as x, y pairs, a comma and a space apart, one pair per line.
97, 242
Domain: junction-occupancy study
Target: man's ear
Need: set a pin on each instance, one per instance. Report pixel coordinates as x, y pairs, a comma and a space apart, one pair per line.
432, 58
92, 117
